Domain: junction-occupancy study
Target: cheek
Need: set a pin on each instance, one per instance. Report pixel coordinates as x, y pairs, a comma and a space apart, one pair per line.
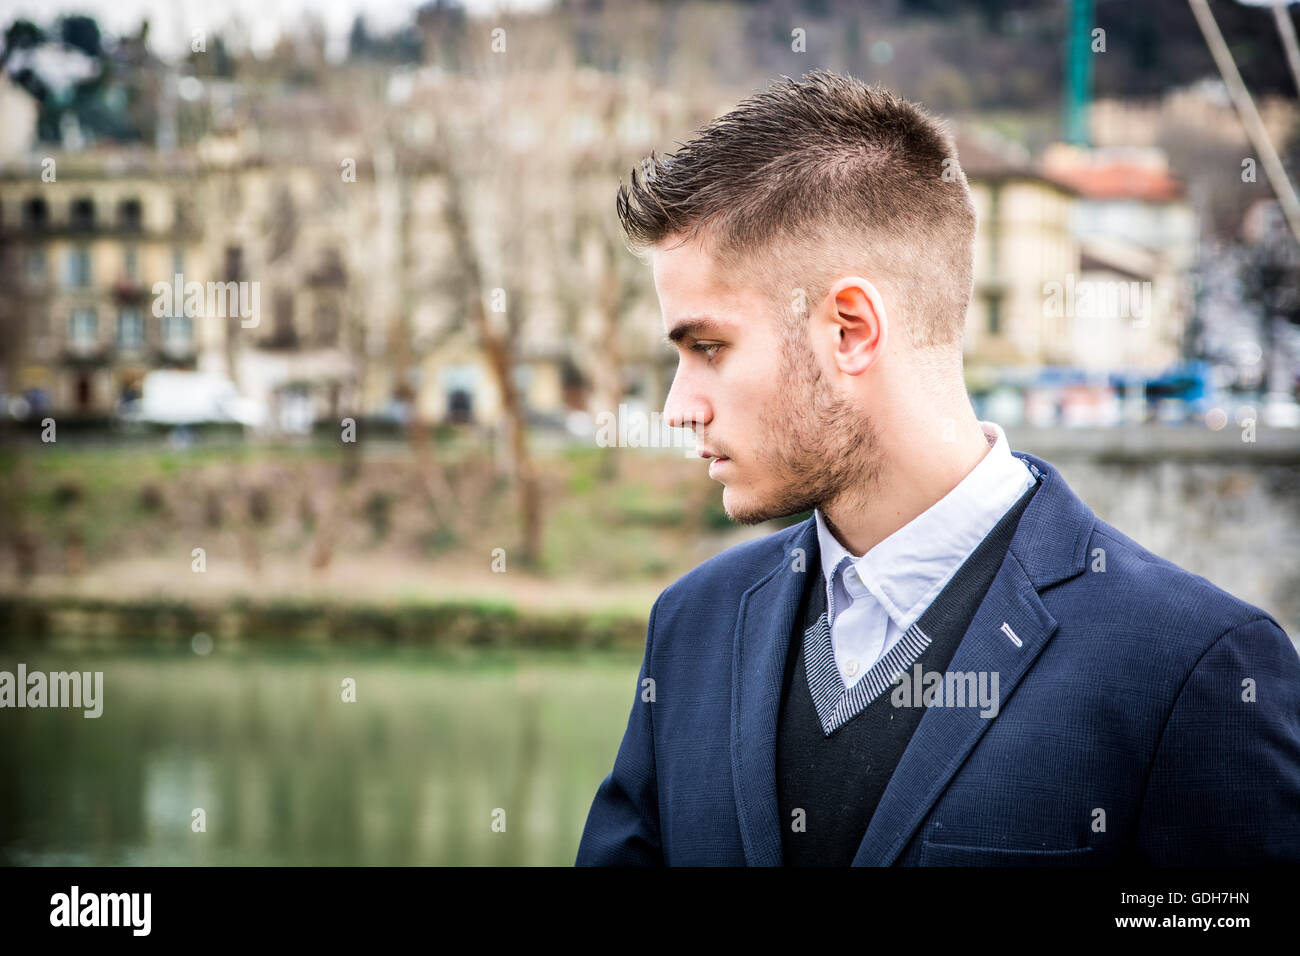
757, 392
765, 408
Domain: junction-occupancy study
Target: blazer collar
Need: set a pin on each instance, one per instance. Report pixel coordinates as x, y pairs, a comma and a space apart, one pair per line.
1051, 540
905, 571
1049, 546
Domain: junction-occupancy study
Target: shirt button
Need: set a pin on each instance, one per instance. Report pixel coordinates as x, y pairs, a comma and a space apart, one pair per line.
851, 668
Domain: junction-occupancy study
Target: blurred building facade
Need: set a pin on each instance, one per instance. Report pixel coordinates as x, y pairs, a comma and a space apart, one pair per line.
336, 211
79, 253
1083, 260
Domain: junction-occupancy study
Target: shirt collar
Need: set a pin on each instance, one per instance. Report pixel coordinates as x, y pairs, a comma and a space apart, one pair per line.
907, 570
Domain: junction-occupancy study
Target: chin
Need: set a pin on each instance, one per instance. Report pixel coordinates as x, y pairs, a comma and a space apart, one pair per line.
749, 508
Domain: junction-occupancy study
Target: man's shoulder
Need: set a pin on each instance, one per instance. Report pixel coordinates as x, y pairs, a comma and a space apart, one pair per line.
1125, 579
1113, 583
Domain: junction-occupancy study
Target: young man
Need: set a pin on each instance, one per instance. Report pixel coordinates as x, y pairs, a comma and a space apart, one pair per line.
954, 661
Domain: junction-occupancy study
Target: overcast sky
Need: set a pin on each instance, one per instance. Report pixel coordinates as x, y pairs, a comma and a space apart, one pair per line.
171, 21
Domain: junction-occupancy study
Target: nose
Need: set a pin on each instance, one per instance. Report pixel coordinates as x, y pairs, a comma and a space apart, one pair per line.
685, 407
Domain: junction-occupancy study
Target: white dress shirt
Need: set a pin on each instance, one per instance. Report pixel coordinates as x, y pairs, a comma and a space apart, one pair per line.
873, 599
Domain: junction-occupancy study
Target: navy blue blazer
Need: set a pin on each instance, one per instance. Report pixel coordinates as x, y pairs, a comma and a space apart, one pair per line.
1145, 716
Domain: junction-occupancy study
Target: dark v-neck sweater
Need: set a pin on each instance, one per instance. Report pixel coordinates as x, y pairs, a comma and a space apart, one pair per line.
836, 780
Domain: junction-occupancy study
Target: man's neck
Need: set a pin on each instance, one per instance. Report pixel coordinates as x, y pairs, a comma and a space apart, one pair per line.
909, 482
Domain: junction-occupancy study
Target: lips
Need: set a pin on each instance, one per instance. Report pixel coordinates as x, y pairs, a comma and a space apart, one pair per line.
716, 461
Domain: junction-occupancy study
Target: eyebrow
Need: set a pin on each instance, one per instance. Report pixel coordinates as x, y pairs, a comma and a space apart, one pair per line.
694, 326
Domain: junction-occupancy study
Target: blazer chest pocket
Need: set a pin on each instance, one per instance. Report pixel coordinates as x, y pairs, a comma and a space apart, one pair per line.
951, 854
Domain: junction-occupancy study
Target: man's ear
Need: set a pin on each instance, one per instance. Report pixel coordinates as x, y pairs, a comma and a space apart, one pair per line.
859, 323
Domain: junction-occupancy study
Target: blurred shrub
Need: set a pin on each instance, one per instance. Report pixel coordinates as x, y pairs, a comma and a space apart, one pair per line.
151, 499
67, 493
377, 509
259, 505
213, 512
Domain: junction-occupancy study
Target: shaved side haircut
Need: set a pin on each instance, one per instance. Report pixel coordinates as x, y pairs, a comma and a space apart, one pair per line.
814, 179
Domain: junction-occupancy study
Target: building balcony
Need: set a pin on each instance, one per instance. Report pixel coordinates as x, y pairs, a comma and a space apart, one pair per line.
136, 353
177, 350
86, 353
128, 290
37, 287
328, 274
178, 231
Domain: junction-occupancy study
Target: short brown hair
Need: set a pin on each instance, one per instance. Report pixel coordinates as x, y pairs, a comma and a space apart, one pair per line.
812, 177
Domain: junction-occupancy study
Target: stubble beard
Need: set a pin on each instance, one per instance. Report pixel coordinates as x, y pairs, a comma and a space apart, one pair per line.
815, 447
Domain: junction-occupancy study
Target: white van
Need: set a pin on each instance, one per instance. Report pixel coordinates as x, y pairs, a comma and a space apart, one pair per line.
192, 398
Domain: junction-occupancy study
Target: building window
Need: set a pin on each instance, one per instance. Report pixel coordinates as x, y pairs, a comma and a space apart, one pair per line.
83, 328
459, 383
130, 261
37, 266
181, 215
82, 214
995, 314
460, 406
178, 261
36, 215
130, 330
177, 333
329, 269
38, 326
130, 215
326, 325
234, 263
79, 267
283, 332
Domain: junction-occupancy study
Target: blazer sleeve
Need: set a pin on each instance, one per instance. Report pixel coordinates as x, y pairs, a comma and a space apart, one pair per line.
1224, 787
623, 824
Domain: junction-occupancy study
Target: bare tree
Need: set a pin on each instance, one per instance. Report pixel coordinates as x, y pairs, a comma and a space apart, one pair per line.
498, 338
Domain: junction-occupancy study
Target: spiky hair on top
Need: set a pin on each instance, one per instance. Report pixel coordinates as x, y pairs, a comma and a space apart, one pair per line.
814, 176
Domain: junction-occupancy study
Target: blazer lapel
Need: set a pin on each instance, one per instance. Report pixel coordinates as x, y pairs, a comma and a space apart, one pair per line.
764, 624
1008, 631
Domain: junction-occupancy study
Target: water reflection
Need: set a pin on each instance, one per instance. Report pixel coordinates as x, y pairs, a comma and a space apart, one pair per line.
287, 773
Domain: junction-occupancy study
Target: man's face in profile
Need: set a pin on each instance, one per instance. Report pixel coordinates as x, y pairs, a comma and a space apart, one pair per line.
755, 393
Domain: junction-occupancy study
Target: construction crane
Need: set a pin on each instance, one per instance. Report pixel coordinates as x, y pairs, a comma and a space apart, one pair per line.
1078, 73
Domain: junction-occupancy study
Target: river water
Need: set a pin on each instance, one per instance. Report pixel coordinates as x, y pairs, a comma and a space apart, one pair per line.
480, 759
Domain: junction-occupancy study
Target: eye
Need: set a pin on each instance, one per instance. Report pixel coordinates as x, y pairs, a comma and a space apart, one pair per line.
705, 348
